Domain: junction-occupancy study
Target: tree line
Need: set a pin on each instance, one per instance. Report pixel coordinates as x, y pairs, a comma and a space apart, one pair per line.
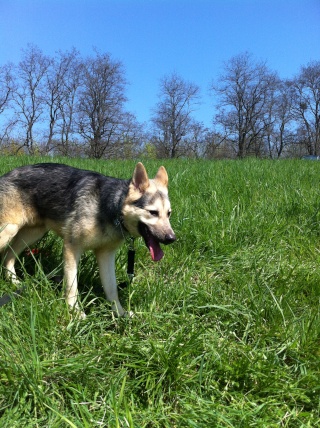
74, 106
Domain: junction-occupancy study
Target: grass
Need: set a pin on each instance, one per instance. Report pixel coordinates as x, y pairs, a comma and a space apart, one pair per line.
226, 330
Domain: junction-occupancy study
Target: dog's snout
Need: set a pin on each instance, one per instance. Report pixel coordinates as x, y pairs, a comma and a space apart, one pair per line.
169, 238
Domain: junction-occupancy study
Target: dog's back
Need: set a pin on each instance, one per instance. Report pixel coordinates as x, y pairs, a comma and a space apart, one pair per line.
34, 193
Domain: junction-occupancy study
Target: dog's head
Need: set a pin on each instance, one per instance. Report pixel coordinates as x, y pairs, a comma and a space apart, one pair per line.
146, 210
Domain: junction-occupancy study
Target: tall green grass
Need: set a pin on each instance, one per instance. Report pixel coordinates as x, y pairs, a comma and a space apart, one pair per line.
226, 330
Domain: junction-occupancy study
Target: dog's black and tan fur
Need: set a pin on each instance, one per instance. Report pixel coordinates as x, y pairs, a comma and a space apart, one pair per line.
89, 211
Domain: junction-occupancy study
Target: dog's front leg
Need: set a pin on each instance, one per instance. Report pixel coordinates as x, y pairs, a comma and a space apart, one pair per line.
106, 262
72, 255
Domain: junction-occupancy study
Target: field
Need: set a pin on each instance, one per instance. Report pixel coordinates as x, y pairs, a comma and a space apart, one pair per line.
226, 330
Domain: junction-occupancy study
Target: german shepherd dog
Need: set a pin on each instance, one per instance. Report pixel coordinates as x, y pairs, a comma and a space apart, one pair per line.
89, 211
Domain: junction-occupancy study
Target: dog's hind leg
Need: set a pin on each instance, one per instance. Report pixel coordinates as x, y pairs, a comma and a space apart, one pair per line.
7, 233
106, 262
72, 255
26, 236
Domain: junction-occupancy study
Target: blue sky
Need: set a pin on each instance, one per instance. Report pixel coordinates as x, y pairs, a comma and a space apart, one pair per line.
153, 38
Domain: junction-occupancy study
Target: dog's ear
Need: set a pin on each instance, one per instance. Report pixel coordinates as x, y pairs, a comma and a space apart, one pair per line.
162, 176
140, 178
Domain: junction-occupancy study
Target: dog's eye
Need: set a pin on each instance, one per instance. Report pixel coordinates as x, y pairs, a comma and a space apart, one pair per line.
169, 214
154, 213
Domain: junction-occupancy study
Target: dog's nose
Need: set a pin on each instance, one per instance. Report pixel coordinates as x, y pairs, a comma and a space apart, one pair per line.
169, 238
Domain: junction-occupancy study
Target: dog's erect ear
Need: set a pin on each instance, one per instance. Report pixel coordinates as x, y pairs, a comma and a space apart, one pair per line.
140, 178
162, 176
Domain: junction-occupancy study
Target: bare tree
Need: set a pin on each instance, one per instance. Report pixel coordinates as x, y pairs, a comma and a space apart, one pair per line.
307, 105
244, 92
172, 117
68, 107
101, 104
62, 83
216, 146
7, 85
131, 134
7, 88
195, 142
29, 95
279, 131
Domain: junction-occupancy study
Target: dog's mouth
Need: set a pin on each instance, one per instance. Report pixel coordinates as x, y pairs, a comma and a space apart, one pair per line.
151, 241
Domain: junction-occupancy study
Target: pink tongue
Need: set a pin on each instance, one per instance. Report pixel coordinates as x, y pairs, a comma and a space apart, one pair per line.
155, 250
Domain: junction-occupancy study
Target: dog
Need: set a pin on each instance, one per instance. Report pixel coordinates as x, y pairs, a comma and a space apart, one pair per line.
89, 211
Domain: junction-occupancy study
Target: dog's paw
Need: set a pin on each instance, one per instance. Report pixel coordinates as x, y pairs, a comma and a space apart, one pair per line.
124, 314
81, 315
14, 279
77, 312
128, 314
